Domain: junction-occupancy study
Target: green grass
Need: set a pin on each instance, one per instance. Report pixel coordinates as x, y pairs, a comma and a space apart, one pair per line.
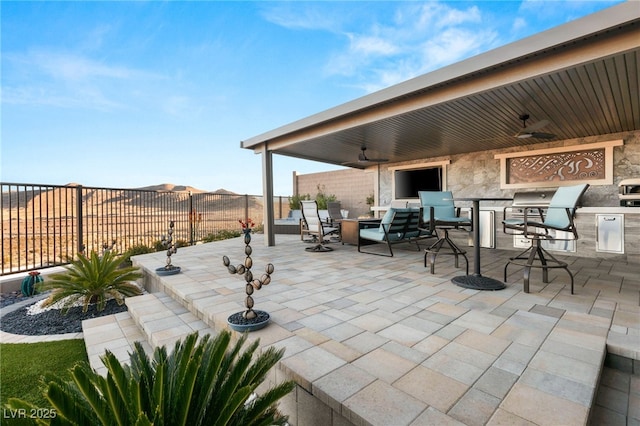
23, 364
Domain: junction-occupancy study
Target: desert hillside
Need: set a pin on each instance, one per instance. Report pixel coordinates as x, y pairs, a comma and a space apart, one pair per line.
40, 223
172, 187
57, 201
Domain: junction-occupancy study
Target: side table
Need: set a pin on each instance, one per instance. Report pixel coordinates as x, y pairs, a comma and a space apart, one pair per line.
349, 229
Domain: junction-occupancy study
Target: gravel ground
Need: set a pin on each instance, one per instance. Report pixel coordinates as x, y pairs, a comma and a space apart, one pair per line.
7, 299
48, 322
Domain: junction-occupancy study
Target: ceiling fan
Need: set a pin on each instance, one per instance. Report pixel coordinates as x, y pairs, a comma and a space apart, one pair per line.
532, 130
362, 157
363, 160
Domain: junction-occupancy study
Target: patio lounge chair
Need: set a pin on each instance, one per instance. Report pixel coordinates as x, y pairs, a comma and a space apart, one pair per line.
335, 215
314, 226
397, 226
440, 216
544, 226
335, 211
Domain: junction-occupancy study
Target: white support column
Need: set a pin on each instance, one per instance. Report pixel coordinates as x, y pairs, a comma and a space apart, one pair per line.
267, 192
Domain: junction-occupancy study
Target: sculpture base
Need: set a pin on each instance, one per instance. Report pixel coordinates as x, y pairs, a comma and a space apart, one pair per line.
238, 323
171, 271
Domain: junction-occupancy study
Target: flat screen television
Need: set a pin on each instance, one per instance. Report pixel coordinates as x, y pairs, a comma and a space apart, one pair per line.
407, 183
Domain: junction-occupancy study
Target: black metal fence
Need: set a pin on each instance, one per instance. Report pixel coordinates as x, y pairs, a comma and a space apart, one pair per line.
46, 225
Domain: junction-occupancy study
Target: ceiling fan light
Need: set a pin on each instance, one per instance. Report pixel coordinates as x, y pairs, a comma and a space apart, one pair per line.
523, 135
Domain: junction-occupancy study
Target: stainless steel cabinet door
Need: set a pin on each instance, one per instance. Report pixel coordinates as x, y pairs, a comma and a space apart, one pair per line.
610, 233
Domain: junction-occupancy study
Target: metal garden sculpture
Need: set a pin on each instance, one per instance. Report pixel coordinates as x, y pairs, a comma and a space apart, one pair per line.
250, 319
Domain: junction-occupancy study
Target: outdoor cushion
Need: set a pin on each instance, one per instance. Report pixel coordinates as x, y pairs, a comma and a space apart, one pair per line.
372, 234
398, 225
376, 235
442, 203
565, 197
388, 217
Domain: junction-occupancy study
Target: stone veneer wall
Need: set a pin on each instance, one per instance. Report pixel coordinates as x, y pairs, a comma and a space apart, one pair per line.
479, 172
470, 174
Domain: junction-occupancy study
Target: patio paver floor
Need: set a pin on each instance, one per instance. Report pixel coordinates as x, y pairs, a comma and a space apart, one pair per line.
379, 338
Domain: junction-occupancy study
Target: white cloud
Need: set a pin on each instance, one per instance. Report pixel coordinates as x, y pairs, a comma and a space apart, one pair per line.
71, 67
371, 45
68, 80
519, 24
177, 105
419, 38
309, 17
96, 38
453, 44
50, 95
434, 16
567, 10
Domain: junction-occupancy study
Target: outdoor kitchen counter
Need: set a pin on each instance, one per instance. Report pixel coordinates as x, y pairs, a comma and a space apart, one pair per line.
588, 219
608, 210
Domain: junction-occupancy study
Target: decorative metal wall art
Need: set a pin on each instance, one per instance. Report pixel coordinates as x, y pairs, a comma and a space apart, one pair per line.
557, 167
563, 165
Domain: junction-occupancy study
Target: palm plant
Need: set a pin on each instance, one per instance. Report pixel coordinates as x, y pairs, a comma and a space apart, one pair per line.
93, 279
198, 383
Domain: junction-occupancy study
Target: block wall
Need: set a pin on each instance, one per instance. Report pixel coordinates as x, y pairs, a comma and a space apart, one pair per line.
350, 186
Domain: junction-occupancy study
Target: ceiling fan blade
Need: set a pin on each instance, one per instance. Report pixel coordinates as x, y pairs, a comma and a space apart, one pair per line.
362, 157
531, 131
522, 135
355, 164
535, 126
541, 135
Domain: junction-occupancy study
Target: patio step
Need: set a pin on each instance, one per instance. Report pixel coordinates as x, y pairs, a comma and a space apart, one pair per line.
163, 320
153, 319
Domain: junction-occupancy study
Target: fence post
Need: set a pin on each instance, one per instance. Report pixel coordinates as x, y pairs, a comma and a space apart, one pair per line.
246, 208
79, 222
192, 218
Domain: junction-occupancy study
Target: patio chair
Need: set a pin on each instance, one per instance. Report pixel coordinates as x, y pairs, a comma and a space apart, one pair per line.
314, 226
544, 226
440, 215
397, 226
335, 215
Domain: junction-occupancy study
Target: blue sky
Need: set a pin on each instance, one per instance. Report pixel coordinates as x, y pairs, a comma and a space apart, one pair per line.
130, 94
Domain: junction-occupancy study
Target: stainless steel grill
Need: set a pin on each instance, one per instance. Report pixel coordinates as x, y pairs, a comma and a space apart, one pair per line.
522, 200
629, 192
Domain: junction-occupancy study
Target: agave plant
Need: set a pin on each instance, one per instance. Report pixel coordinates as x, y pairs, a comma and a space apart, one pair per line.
199, 383
93, 279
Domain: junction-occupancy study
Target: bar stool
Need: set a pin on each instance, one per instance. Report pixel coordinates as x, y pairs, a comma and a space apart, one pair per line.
557, 216
441, 215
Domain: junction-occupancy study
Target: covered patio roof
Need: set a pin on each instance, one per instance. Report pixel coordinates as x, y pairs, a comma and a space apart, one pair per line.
583, 77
